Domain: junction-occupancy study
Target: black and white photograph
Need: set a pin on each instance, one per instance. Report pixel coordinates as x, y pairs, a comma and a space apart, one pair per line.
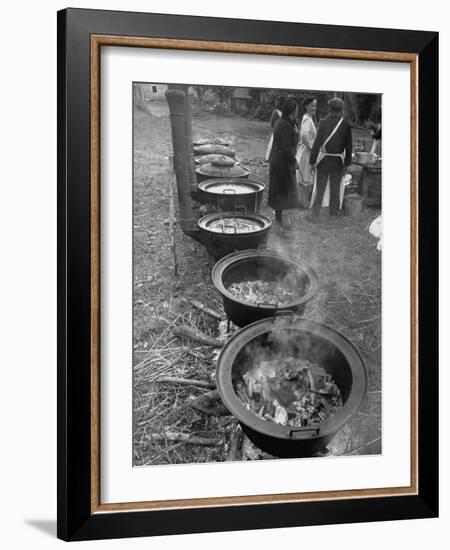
257, 254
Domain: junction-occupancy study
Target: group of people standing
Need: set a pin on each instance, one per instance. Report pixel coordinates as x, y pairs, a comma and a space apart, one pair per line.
307, 163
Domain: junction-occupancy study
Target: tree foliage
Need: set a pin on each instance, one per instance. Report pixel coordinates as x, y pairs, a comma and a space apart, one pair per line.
361, 109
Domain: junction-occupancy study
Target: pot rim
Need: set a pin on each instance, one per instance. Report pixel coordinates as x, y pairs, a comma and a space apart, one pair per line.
211, 141
258, 185
216, 215
228, 151
331, 426
201, 159
226, 261
202, 167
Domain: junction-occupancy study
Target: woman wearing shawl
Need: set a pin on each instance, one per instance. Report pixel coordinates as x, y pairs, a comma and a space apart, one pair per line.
308, 132
282, 183
276, 115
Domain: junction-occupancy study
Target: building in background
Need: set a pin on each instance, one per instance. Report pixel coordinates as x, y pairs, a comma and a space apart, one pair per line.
240, 100
152, 92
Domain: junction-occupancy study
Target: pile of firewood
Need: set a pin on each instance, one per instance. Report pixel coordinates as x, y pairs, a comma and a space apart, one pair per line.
290, 392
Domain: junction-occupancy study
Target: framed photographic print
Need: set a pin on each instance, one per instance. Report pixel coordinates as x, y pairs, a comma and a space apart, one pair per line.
247, 241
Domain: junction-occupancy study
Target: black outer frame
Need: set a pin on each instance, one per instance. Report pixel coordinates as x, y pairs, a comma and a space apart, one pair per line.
75, 521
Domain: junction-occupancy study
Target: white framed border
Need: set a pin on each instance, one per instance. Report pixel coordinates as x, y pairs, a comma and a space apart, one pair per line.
120, 482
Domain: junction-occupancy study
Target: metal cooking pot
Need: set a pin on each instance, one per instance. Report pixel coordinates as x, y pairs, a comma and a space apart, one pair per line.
221, 168
213, 149
211, 140
266, 265
219, 243
206, 159
231, 193
306, 340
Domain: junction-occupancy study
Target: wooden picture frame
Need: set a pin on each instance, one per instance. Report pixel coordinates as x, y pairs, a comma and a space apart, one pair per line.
81, 35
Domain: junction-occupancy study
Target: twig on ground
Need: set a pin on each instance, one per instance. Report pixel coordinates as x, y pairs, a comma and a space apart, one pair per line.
186, 382
184, 331
209, 311
361, 447
376, 318
237, 438
373, 415
154, 417
156, 372
345, 296
172, 218
209, 403
185, 438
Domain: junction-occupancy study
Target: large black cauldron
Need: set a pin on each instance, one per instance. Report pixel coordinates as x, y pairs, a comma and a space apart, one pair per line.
306, 340
264, 265
229, 239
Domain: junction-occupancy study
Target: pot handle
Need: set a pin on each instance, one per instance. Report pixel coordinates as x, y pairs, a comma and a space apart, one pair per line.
305, 430
229, 225
259, 304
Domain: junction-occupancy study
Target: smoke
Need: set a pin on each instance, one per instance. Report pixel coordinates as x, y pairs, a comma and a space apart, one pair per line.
277, 375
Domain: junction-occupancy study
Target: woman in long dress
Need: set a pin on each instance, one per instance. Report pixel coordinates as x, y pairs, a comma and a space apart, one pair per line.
282, 184
276, 115
308, 132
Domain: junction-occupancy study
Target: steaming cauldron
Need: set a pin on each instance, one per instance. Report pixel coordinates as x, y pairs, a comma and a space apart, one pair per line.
264, 265
305, 340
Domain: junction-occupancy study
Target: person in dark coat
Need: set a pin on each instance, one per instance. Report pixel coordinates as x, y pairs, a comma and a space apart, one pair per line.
278, 111
282, 183
376, 135
275, 117
331, 153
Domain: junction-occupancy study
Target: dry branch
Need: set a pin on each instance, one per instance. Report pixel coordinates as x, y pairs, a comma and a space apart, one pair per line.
354, 451
184, 438
186, 382
237, 437
172, 218
197, 335
209, 311
209, 403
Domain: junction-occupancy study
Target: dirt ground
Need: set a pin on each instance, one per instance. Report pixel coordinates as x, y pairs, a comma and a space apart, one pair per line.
342, 252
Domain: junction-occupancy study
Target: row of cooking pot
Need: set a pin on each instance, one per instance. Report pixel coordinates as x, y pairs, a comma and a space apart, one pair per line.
216, 160
239, 227
269, 331
224, 185
236, 224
